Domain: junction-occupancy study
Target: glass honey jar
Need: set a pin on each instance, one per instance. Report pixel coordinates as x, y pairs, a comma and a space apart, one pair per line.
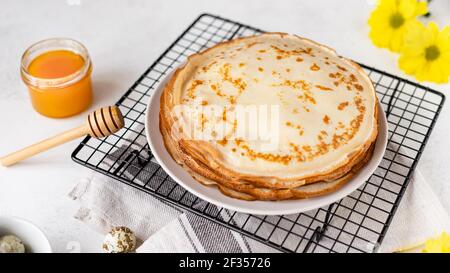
57, 73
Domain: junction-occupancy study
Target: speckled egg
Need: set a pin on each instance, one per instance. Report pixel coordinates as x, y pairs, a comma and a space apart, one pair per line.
119, 240
11, 244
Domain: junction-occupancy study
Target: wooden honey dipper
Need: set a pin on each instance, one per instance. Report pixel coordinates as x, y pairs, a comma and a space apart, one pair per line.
100, 123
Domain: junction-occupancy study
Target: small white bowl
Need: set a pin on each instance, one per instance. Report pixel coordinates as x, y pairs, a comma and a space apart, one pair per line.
32, 237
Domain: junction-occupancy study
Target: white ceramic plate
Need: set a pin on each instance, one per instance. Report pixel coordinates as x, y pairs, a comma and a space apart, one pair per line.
213, 195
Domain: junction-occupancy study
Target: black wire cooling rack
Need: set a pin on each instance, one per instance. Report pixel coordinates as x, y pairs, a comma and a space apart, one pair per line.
357, 223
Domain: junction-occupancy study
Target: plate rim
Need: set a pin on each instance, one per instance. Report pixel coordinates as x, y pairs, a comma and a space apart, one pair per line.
380, 148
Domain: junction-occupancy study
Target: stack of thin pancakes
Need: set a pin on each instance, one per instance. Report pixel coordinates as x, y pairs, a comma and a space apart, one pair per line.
318, 130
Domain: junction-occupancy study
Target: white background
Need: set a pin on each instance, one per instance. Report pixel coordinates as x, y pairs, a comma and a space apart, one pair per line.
124, 38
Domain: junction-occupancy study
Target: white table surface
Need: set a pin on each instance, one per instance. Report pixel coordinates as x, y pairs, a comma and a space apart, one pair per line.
124, 38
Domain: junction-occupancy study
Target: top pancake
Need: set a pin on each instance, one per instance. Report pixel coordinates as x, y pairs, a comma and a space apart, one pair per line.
326, 108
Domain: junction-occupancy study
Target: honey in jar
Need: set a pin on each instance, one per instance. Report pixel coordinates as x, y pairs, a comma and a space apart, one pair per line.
57, 73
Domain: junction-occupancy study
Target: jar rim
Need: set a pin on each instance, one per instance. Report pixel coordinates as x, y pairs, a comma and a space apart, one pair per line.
47, 45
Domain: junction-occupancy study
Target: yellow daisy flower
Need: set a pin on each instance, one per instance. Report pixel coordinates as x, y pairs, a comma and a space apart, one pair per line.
392, 19
426, 53
438, 245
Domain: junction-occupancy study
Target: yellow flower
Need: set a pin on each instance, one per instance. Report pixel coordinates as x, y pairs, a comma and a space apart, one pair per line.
438, 245
392, 19
426, 53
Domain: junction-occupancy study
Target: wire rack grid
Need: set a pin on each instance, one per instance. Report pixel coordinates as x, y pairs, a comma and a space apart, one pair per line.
357, 223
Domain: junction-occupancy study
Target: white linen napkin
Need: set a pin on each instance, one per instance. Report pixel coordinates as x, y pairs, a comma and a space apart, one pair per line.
106, 203
161, 227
